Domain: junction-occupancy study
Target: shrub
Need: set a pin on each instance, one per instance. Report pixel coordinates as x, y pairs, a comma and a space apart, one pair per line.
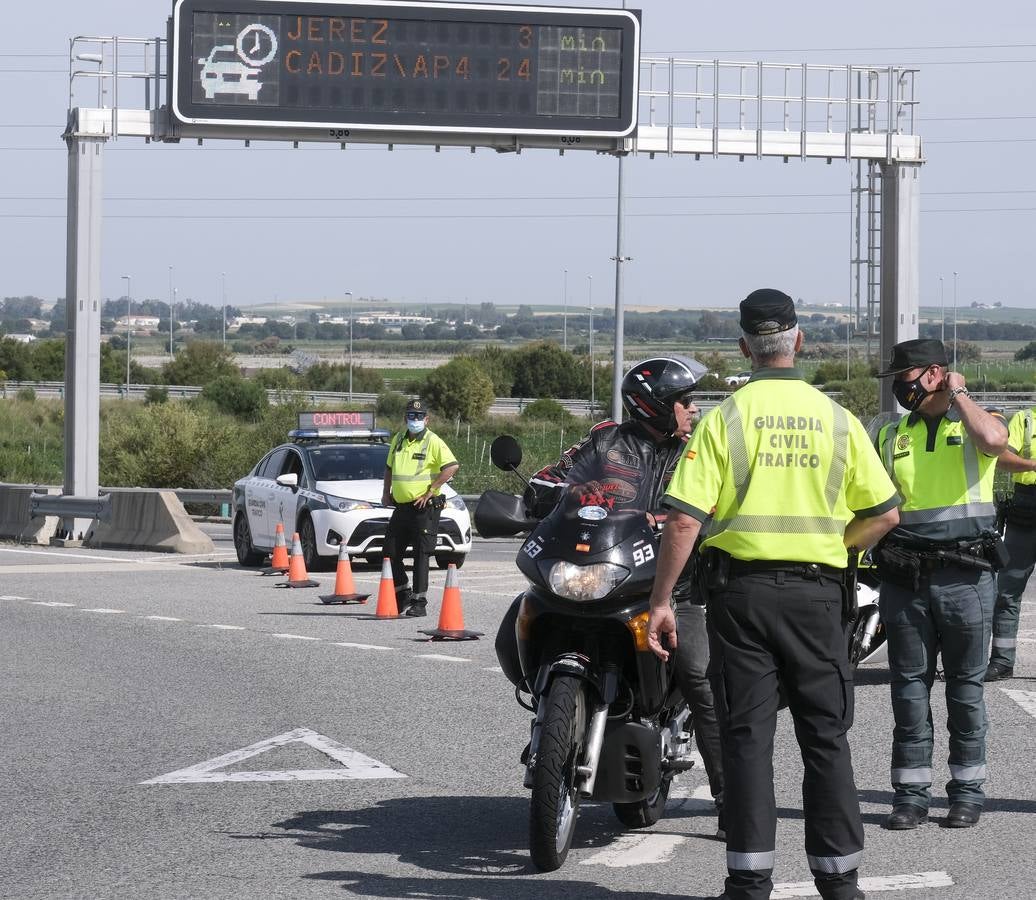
156, 394
389, 409
26, 395
232, 394
547, 410
459, 390
860, 397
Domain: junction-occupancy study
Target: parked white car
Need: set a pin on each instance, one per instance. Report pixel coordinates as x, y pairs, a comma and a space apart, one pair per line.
737, 380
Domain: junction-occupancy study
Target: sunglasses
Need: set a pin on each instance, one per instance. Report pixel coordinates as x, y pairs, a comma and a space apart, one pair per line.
415, 416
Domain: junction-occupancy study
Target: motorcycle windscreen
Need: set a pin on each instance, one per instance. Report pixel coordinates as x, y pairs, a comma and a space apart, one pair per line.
501, 515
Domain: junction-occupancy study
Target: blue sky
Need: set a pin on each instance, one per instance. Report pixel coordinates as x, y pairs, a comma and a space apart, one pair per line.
456, 226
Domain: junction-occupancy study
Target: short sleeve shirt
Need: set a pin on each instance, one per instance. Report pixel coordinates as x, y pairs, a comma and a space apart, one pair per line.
1019, 439
415, 464
782, 469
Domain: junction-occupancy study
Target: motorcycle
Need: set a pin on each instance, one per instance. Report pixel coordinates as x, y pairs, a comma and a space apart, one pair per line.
609, 722
867, 634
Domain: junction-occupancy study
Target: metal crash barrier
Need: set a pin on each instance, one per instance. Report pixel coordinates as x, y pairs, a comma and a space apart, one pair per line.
67, 507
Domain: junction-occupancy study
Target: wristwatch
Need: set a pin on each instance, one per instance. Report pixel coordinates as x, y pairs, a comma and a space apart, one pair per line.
956, 392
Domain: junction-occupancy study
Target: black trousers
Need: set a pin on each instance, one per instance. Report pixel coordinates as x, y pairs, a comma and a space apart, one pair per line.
778, 628
415, 527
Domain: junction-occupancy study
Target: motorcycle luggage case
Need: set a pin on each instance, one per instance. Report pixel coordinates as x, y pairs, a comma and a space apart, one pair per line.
630, 766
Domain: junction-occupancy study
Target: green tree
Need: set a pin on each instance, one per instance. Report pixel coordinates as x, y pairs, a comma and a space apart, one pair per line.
860, 397
232, 394
547, 410
545, 370
498, 364
389, 409
199, 363
1027, 352
334, 377
459, 389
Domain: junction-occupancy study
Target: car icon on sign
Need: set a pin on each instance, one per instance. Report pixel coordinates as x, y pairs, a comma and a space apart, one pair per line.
222, 72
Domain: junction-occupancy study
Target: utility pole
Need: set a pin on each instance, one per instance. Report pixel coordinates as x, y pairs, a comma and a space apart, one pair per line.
590, 305
954, 321
172, 297
349, 294
564, 311
223, 288
129, 326
942, 312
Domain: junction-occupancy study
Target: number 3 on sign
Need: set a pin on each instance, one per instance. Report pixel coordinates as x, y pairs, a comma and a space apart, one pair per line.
643, 554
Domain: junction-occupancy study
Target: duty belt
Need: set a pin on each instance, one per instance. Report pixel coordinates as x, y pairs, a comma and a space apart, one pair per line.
814, 571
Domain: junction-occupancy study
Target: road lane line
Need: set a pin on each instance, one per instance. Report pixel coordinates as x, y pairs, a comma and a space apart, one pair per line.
104, 609
163, 618
636, 850
443, 657
362, 646
224, 627
914, 882
492, 669
11, 596
295, 637
65, 555
50, 603
1025, 699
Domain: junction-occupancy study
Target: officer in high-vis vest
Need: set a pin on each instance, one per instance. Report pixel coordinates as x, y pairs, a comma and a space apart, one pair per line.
936, 570
418, 465
1020, 540
794, 482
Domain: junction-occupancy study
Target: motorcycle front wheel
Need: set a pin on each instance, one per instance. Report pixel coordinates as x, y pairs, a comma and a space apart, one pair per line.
555, 796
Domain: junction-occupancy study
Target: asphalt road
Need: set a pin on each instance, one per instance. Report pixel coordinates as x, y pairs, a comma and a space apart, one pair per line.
119, 669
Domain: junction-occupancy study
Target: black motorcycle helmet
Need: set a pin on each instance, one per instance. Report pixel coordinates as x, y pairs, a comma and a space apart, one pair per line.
650, 388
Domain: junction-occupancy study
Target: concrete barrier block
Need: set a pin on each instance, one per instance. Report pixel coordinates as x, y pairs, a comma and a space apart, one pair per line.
148, 520
16, 522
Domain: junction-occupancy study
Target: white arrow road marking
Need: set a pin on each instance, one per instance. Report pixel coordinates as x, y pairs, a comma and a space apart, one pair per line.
1025, 699
354, 764
917, 881
636, 850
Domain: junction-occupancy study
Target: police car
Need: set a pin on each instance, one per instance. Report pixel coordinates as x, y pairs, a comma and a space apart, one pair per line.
326, 484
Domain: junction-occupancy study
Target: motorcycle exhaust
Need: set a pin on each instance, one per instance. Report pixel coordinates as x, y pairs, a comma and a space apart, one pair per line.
594, 742
870, 628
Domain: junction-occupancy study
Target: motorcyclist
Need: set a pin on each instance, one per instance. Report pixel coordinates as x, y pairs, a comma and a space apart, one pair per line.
628, 466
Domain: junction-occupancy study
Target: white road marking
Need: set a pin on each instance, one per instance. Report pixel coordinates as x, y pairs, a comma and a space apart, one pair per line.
163, 618
295, 637
354, 764
64, 555
11, 597
104, 609
224, 627
492, 669
636, 850
443, 657
363, 646
50, 603
1025, 699
917, 881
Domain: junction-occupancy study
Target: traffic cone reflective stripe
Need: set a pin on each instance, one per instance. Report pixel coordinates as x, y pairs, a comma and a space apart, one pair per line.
279, 562
345, 589
298, 577
451, 616
387, 608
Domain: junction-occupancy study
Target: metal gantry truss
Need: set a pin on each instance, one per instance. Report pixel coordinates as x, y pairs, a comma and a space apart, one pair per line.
118, 87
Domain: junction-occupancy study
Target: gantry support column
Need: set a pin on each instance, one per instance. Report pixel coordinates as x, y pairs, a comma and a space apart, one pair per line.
900, 272
83, 318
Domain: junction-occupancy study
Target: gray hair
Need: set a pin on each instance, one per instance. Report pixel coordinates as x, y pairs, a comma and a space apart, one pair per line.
766, 348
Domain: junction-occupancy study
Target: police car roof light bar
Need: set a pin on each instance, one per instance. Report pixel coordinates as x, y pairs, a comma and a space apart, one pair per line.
339, 434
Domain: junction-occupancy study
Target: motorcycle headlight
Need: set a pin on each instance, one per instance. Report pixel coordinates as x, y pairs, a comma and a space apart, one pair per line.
455, 502
584, 583
342, 504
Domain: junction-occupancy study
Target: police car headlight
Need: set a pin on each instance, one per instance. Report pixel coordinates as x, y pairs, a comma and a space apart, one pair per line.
341, 504
583, 583
456, 503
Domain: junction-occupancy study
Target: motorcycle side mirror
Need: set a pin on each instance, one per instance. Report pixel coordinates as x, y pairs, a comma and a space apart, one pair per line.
506, 453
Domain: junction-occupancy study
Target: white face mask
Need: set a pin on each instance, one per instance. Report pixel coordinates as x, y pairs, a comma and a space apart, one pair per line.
415, 426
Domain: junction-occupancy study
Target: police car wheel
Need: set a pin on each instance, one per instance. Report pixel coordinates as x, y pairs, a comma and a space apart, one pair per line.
247, 555
308, 538
442, 560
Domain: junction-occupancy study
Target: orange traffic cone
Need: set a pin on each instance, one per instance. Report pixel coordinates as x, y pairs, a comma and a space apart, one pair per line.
451, 617
279, 562
345, 589
298, 577
387, 607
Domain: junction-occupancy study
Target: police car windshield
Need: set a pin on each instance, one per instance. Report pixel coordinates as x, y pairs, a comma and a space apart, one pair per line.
349, 463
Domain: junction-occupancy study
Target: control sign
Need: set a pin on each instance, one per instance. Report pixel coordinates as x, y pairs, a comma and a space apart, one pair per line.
417, 67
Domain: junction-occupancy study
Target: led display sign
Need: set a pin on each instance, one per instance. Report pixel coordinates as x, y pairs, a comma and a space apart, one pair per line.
416, 67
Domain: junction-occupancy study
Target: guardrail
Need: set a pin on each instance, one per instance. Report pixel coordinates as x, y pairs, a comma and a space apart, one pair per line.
71, 507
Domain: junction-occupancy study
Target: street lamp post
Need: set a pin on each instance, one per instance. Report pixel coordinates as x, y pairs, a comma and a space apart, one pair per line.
349, 294
590, 304
129, 315
172, 314
172, 296
564, 311
955, 321
223, 289
942, 312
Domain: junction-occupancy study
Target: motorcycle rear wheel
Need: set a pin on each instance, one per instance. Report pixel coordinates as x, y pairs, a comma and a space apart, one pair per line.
645, 813
555, 796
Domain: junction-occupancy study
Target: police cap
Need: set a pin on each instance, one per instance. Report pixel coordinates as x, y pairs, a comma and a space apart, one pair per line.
767, 311
416, 405
915, 354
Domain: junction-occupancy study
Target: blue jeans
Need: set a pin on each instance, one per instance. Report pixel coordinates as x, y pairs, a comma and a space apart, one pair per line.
951, 613
1010, 582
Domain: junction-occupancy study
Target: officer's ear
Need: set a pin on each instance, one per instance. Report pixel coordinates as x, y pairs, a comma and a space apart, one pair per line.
800, 339
743, 344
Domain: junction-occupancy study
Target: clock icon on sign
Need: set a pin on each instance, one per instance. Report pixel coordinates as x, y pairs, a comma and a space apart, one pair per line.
256, 45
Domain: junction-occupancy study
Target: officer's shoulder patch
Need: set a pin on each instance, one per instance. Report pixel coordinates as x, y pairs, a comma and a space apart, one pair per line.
691, 454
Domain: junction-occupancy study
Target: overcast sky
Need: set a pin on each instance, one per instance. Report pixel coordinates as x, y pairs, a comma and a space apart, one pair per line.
412, 225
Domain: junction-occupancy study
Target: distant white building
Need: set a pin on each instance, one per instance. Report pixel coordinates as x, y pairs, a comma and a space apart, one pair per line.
236, 322
20, 338
137, 323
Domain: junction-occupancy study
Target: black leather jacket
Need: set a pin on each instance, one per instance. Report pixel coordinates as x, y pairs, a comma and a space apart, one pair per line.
622, 464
